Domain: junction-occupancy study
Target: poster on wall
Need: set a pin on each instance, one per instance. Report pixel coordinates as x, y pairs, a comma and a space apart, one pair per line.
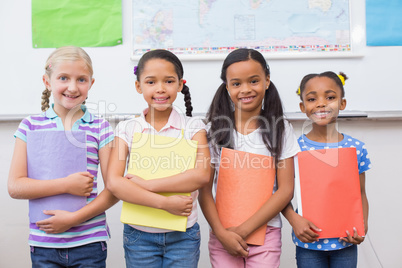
384, 23
212, 28
89, 23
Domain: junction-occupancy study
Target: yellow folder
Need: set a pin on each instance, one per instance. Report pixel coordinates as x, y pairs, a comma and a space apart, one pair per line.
154, 157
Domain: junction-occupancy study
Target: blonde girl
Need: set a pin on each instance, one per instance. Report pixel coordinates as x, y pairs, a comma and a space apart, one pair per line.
66, 239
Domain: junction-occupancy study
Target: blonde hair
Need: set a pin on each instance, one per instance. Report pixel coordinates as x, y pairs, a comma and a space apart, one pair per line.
62, 54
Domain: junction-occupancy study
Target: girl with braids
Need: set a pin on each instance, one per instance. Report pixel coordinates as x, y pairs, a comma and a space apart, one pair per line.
246, 114
66, 239
159, 79
322, 97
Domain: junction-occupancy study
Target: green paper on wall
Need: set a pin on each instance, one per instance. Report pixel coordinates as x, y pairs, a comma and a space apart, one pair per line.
90, 23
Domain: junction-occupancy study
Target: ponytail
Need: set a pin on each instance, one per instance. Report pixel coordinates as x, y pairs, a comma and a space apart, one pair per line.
187, 99
45, 99
221, 117
272, 123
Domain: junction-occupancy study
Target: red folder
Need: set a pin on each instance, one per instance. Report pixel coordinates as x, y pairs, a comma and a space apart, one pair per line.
328, 188
245, 183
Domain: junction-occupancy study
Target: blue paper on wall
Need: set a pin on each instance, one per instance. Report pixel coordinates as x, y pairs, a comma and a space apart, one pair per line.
52, 155
384, 22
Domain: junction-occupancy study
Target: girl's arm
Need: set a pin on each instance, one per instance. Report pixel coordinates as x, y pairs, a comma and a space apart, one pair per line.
365, 203
188, 181
304, 229
232, 242
129, 191
64, 220
355, 238
22, 187
275, 204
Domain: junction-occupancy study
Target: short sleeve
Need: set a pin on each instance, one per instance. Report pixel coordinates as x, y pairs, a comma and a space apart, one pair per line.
125, 129
106, 134
290, 145
363, 160
23, 127
124, 132
193, 125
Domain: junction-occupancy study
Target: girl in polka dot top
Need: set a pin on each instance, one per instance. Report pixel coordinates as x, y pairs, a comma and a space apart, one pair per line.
322, 97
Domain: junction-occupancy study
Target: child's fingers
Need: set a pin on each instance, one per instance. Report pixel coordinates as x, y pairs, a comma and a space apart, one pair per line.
49, 212
244, 251
128, 176
355, 232
87, 174
308, 237
355, 239
315, 228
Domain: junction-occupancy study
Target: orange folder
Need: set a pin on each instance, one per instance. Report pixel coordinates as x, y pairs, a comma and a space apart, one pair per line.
245, 183
328, 190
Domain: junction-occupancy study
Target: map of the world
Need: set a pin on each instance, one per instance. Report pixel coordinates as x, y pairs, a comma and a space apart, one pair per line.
219, 26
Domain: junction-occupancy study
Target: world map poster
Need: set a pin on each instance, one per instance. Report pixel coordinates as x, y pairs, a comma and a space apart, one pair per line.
195, 27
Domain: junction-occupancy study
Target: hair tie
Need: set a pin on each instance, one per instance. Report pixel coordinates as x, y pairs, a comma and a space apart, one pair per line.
298, 92
184, 82
135, 69
50, 65
342, 79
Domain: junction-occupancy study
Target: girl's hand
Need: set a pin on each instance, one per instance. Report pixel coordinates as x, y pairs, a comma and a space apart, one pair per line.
137, 180
233, 243
305, 230
80, 183
60, 222
355, 239
179, 205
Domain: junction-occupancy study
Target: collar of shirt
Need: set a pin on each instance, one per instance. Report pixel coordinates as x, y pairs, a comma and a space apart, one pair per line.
87, 117
175, 121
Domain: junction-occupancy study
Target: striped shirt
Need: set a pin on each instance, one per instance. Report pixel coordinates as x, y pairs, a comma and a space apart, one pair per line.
99, 133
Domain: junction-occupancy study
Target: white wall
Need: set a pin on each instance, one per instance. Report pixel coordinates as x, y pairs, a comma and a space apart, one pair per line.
374, 79
384, 143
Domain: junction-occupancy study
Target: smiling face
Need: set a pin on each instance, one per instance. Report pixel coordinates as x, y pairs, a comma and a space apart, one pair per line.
322, 100
246, 84
159, 83
69, 83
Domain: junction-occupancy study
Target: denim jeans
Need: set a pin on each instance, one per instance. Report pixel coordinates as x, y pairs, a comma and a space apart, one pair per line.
87, 256
156, 250
341, 258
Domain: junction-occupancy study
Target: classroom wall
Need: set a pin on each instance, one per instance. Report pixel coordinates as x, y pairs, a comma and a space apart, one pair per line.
383, 182
373, 86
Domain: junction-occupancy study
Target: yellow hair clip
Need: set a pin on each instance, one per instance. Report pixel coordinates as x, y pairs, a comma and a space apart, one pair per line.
298, 91
342, 79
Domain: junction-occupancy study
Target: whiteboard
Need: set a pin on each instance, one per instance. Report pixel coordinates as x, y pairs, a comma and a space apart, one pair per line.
374, 83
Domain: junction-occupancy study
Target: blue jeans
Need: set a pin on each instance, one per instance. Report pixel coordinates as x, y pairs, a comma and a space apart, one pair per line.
155, 250
89, 256
341, 258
